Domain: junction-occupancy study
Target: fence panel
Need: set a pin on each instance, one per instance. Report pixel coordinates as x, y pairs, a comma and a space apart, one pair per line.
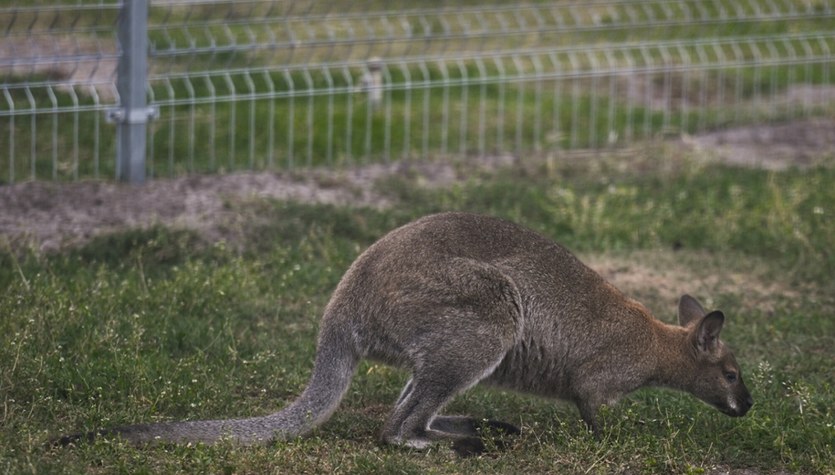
57, 65
255, 84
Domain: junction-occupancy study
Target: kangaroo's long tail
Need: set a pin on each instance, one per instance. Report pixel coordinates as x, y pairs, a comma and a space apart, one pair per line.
336, 361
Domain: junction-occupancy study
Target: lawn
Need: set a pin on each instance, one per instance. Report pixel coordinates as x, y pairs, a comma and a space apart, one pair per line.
160, 324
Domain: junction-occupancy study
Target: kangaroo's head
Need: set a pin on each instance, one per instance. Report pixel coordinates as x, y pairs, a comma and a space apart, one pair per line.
716, 378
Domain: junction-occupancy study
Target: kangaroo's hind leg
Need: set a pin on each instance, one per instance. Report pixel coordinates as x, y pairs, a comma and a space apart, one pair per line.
447, 367
464, 425
411, 423
450, 341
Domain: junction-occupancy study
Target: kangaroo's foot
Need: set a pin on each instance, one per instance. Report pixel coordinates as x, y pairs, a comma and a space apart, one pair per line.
475, 436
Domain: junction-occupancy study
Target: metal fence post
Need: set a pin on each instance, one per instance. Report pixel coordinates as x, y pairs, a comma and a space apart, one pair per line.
133, 113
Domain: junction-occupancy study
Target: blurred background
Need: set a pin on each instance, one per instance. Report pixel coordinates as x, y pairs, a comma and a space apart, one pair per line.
255, 84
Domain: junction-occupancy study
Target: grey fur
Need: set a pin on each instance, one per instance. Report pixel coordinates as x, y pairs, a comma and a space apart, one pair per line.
459, 299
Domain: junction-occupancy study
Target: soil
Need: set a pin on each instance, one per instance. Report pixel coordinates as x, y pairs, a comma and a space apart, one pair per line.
771, 146
657, 278
49, 216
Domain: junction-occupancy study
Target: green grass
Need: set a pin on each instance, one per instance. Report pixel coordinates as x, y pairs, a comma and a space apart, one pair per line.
157, 324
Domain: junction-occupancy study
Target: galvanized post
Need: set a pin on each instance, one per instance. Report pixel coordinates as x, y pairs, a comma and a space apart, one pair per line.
133, 113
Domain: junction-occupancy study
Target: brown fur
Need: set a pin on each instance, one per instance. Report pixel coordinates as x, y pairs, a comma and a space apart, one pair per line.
458, 299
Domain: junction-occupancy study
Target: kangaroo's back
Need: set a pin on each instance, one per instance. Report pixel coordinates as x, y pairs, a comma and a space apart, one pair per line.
413, 270
430, 251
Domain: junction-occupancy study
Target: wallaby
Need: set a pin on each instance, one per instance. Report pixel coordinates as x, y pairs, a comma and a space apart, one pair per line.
458, 299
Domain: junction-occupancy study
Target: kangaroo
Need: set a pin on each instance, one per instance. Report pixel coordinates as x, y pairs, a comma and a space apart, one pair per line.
459, 299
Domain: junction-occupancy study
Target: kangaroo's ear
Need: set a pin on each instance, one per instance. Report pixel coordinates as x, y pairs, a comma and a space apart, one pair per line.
707, 332
689, 309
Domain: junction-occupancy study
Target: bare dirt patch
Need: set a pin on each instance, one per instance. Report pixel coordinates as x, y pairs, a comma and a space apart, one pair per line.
770, 146
49, 216
658, 278
72, 63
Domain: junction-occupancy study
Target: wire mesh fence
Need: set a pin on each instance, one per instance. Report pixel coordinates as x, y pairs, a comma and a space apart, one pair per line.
255, 84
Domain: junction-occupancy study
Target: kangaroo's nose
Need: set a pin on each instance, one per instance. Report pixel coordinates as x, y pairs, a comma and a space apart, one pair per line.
747, 402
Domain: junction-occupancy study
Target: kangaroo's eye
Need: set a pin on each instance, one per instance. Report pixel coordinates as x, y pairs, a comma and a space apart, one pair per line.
731, 377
